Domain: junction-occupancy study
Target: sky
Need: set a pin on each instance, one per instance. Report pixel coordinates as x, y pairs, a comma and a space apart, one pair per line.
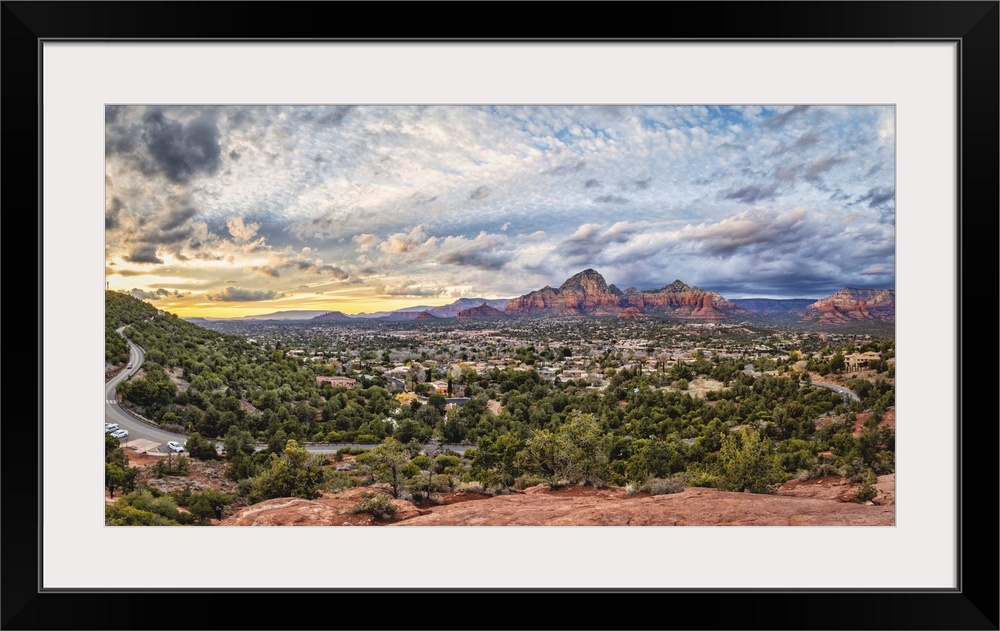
224, 211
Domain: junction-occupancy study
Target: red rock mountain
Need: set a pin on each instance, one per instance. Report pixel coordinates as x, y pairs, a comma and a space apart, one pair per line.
853, 304
587, 293
480, 312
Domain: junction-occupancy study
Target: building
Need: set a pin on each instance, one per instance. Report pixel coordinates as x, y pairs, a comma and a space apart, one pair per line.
860, 361
441, 387
337, 382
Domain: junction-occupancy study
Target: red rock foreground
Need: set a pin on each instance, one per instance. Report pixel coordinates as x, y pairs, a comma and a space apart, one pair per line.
819, 502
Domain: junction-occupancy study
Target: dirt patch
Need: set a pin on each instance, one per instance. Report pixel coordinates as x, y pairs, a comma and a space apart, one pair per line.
176, 375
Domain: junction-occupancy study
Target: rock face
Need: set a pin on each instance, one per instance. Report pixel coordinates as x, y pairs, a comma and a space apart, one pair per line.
587, 293
818, 502
482, 312
682, 301
853, 304
425, 315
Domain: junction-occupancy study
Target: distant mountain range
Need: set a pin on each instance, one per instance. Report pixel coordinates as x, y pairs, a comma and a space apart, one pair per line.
588, 294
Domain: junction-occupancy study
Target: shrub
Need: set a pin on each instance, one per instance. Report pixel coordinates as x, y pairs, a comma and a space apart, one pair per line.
663, 486
472, 487
338, 481
377, 505
867, 491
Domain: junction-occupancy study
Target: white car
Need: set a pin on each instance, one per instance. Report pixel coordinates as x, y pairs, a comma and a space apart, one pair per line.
175, 447
119, 433
110, 427
129, 367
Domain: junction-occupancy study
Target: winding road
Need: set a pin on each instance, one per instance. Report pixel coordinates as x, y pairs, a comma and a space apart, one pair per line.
137, 429
847, 395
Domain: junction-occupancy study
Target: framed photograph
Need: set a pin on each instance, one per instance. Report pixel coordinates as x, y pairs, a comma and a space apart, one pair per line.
912, 103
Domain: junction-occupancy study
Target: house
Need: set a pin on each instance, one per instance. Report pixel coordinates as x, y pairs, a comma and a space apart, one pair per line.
337, 382
441, 387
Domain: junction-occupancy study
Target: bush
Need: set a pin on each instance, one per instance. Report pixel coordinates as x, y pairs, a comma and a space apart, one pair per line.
377, 505
339, 481
472, 487
663, 486
867, 491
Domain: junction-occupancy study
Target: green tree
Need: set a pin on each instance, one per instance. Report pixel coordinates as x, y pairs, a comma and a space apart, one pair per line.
296, 473
201, 448
496, 459
208, 504
747, 462
386, 462
577, 452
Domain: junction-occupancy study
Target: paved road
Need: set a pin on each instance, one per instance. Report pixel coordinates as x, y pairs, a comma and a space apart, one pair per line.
848, 395
113, 413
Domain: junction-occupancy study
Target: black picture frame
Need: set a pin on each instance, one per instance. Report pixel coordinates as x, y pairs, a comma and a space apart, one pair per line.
973, 605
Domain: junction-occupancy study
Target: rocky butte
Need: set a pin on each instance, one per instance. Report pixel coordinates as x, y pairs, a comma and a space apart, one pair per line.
853, 304
588, 294
482, 312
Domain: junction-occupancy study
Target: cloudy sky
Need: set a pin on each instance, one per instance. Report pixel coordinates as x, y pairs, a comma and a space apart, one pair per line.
239, 210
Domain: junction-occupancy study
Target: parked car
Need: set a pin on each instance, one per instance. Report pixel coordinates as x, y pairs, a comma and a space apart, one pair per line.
119, 433
175, 447
129, 367
110, 427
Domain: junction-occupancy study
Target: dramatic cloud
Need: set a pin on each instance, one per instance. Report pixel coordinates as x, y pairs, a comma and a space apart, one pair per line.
182, 150
143, 254
753, 194
438, 201
879, 197
235, 294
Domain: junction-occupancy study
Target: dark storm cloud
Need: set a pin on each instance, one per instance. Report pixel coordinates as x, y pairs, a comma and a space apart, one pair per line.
111, 113
563, 169
182, 150
591, 183
753, 194
176, 217
235, 294
234, 155
479, 193
120, 138
484, 260
611, 199
111, 214
143, 254
780, 120
878, 197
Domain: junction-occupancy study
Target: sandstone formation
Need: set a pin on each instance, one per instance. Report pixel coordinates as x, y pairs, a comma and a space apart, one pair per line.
853, 304
817, 502
587, 293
